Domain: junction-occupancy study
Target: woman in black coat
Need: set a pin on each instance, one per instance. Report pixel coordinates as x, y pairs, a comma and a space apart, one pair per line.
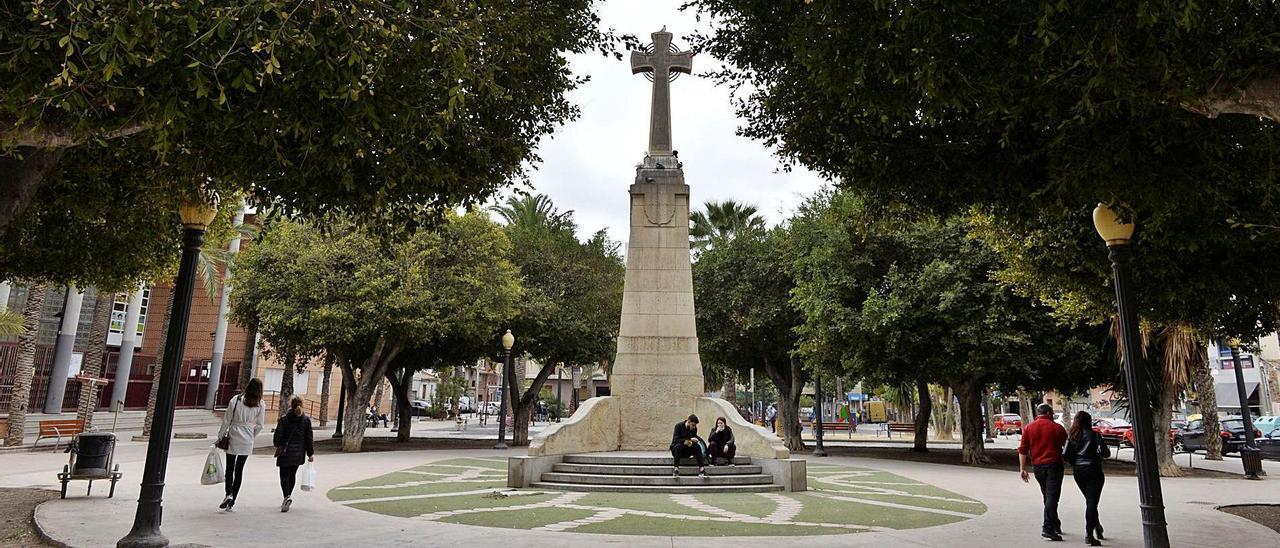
294, 445
720, 443
1086, 451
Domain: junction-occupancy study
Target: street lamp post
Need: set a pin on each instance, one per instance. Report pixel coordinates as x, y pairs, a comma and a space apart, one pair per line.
342, 404
508, 340
196, 216
818, 450
559, 385
1249, 455
1117, 234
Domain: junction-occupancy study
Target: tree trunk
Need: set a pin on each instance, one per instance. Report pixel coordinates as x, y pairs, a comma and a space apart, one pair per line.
400, 382
947, 424
360, 389
972, 427
1066, 411
1161, 418
992, 408
1024, 407
21, 178
247, 363
1258, 97
788, 381
286, 385
94, 354
377, 396
155, 369
1209, 411
26, 365
729, 392
922, 416
324, 391
522, 407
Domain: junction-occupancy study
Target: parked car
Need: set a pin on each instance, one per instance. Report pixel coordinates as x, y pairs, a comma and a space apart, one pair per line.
1008, 423
1112, 429
1127, 439
1267, 424
1191, 438
418, 408
1270, 445
492, 407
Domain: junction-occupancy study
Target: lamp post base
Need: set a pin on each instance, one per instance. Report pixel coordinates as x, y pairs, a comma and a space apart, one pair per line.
500, 445
147, 540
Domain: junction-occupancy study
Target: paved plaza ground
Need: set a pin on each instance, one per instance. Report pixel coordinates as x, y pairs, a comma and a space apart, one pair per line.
342, 511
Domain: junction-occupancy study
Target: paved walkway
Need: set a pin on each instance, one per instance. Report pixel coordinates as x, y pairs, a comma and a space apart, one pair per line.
191, 514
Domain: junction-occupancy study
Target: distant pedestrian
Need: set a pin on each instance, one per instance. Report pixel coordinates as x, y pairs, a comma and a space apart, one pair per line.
294, 445
686, 443
772, 416
1042, 443
1086, 451
242, 423
720, 443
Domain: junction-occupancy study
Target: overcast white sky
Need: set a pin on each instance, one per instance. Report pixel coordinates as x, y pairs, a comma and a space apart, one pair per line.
588, 164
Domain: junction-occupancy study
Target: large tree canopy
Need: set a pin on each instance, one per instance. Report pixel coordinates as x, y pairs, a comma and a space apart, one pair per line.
573, 296
367, 303
383, 107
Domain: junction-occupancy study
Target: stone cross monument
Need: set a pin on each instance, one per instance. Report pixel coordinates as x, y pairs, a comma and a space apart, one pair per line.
657, 375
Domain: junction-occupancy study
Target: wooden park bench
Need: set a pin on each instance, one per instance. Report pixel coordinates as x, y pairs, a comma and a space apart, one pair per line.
59, 429
891, 427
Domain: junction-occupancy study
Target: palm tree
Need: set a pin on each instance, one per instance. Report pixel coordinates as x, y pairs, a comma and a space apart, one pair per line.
10, 323
721, 221
26, 369
533, 210
95, 355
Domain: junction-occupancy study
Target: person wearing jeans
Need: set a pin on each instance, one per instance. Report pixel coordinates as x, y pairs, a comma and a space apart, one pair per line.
294, 443
1042, 443
242, 422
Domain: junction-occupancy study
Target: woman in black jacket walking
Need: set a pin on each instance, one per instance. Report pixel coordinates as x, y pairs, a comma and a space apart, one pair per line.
293, 442
1086, 451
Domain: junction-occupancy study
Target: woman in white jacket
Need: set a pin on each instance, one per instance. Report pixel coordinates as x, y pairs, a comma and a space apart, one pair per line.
243, 421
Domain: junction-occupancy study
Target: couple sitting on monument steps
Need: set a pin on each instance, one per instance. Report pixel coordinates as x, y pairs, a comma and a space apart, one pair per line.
685, 443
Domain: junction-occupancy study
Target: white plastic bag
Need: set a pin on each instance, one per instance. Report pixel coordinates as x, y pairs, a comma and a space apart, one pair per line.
213, 472
309, 477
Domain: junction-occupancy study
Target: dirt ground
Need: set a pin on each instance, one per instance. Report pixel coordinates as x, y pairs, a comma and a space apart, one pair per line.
16, 527
1266, 514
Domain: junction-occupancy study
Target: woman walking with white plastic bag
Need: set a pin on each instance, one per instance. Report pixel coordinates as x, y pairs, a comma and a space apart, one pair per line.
294, 445
243, 422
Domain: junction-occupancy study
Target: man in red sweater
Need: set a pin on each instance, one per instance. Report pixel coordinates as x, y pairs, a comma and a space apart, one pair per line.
1042, 443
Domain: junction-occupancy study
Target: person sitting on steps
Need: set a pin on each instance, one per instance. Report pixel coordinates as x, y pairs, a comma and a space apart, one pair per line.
720, 443
686, 443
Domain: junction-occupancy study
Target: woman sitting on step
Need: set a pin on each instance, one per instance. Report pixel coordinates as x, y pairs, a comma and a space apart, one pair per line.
720, 444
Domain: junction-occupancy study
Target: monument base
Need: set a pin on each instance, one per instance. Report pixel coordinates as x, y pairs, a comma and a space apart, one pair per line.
596, 429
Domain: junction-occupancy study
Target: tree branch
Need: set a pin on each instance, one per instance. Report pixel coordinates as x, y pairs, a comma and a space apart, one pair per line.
1255, 98
58, 138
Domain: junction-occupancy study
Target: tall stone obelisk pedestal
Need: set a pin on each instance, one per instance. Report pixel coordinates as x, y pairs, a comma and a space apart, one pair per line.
657, 375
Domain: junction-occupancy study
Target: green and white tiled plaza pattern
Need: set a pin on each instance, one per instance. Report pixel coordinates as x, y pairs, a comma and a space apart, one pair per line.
841, 499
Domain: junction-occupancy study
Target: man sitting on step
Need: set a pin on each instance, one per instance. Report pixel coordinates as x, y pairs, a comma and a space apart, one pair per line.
686, 443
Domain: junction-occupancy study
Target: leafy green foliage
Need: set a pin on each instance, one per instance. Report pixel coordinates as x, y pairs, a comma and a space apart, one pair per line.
375, 109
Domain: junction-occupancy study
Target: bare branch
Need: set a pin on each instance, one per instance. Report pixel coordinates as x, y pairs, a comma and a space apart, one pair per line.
1255, 98
52, 138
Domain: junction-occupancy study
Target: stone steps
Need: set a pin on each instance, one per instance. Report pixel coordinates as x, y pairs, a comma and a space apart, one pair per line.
673, 489
619, 470
651, 473
636, 460
684, 480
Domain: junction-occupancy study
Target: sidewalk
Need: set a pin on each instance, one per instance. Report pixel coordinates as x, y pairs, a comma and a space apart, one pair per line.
191, 515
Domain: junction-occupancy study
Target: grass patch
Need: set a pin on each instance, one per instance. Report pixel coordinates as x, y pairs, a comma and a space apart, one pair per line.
416, 507
520, 519
750, 504
474, 463
649, 502
644, 525
824, 510
449, 487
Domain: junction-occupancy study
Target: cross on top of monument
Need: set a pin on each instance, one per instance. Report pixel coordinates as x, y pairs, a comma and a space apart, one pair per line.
662, 62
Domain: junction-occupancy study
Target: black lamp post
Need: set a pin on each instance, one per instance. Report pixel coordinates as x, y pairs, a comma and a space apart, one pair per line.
1117, 234
196, 216
1250, 458
508, 340
818, 450
559, 385
342, 405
